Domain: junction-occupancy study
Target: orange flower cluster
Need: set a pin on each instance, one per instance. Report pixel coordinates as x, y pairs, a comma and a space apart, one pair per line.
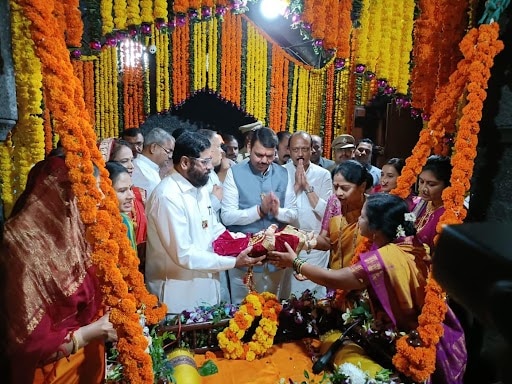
116, 263
48, 131
88, 84
419, 362
180, 64
180, 6
278, 89
344, 29
481, 56
437, 31
479, 47
74, 24
230, 66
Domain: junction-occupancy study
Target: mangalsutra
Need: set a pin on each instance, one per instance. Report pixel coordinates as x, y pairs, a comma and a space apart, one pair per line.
425, 218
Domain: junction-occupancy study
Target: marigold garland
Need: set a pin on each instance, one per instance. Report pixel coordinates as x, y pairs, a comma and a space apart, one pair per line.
74, 23
116, 262
120, 14
7, 174
478, 46
254, 305
482, 53
107, 21
28, 134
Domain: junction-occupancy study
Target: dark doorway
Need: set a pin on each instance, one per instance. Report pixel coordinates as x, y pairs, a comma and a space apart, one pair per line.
210, 110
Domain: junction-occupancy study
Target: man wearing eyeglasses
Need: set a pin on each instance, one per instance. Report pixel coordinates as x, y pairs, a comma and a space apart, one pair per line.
157, 151
312, 187
181, 268
257, 194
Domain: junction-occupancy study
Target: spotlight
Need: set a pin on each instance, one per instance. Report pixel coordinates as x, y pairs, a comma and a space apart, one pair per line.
270, 9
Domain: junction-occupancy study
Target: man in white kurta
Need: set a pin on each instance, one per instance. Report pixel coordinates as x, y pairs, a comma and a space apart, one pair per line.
181, 268
158, 149
312, 186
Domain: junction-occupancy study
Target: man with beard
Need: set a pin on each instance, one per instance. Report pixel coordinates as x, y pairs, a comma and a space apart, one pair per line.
257, 193
312, 187
181, 268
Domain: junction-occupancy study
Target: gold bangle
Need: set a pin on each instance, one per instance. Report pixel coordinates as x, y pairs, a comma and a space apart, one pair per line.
75, 344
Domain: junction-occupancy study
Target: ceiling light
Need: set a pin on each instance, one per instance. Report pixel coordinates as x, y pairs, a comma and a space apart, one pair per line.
270, 9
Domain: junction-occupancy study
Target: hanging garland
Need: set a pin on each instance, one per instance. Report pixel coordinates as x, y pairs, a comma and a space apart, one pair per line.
74, 24
116, 262
7, 174
482, 58
329, 111
28, 134
479, 47
406, 47
254, 305
344, 29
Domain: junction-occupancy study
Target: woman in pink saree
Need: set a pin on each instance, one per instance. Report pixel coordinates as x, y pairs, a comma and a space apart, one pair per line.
428, 206
394, 272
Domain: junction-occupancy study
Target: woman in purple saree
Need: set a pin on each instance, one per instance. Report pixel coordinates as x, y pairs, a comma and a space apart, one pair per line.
394, 273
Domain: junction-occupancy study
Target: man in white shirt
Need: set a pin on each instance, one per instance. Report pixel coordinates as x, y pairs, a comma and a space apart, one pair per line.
181, 268
214, 188
363, 154
312, 186
157, 150
257, 194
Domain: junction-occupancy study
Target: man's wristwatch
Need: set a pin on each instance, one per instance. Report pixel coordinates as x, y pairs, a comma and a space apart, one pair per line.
310, 189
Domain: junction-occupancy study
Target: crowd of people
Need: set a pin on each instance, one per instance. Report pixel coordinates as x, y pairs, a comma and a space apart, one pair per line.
179, 191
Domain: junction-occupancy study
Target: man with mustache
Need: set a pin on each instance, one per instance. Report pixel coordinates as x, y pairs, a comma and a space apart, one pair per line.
312, 187
257, 194
181, 267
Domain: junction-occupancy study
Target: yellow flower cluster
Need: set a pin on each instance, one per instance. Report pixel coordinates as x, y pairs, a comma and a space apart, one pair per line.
146, 11
163, 102
341, 97
256, 74
106, 91
107, 21
133, 13
254, 305
213, 43
161, 9
200, 49
404, 74
28, 135
6, 175
120, 14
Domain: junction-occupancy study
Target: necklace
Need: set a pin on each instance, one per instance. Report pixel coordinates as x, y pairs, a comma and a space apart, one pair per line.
423, 220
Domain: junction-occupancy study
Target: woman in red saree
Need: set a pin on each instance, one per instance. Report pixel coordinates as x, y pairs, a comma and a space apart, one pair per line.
55, 322
394, 272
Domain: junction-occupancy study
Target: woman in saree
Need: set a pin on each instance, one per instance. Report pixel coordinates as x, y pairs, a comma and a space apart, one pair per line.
393, 272
123, 186
428, 205
339, 226
120, 151
56, 324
